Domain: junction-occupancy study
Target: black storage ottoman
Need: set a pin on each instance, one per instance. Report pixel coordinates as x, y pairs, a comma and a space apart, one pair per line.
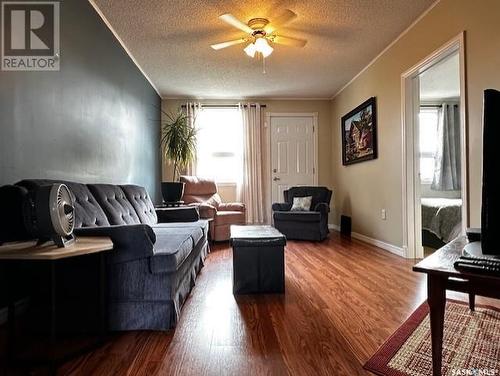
258, 259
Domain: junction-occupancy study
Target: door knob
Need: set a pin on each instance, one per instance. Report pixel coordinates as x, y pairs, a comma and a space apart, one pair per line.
276, 178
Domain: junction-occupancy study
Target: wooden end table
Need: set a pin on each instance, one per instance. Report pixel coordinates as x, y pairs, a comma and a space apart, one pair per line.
442, 276
50, 255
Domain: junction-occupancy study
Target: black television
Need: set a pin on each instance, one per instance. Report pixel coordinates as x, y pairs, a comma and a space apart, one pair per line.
489, 245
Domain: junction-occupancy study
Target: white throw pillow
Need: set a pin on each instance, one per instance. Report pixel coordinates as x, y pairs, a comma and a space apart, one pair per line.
301, 203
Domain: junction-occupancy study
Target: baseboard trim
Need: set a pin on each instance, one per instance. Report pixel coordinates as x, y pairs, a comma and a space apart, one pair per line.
399, 251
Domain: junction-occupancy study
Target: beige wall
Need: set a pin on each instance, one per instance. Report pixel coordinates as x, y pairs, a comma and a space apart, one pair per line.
322, 107
362, 190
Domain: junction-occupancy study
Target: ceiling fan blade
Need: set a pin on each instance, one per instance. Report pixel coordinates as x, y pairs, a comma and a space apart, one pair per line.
220, 46
289, 41
233, 21
286, 17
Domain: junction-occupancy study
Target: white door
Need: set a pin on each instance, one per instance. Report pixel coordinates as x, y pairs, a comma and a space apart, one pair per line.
292, 153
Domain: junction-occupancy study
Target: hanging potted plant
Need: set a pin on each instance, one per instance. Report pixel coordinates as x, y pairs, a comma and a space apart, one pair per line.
178, 144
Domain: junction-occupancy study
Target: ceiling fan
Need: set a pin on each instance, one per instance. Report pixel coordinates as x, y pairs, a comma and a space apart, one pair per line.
261, 32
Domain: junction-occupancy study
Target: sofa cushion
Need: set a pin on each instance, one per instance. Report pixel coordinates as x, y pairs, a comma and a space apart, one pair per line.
232, 206
297, 216
88, 213
113, 201
179, 214
229, 218
172, 247
140, 200
202, 224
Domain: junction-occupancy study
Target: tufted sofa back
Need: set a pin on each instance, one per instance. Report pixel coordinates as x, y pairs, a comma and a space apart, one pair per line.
115, 204
105, 204
88, 213
140, 200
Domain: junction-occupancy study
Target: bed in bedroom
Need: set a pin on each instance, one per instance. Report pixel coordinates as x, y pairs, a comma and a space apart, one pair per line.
441, 221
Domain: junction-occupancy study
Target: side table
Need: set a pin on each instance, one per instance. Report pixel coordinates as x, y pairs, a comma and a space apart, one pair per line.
172, 204
49, 255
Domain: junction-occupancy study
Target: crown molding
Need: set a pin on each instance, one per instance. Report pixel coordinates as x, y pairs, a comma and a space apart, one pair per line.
134, 60
246, 99
405, 31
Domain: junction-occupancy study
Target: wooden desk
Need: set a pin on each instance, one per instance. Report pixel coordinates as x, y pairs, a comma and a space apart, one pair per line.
49, 254
442, 276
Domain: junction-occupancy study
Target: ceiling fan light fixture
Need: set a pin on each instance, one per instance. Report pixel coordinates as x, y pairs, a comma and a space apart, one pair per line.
262, 46
261, 34
250, 50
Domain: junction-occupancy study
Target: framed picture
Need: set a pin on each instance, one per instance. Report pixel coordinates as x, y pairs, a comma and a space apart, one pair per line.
359, 133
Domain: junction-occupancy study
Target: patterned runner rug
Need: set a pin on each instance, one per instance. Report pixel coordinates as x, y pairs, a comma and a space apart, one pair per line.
471, 345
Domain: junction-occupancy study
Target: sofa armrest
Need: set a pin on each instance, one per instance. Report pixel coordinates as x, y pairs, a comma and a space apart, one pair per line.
281, 206
232, 206
180, 214
323, 208
131, 242
206, 211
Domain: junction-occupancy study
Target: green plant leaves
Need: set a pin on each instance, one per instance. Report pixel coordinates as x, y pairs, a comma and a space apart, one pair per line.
178, 141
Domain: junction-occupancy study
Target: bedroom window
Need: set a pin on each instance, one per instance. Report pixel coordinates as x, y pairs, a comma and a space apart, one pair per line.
220, 145
428, 119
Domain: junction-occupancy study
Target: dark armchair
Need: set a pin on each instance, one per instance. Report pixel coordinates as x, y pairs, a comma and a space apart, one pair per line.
304, 225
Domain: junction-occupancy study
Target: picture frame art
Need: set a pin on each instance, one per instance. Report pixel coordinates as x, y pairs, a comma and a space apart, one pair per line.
359, 133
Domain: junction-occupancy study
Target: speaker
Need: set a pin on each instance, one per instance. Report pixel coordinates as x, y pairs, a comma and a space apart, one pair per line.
345, 225
490, 209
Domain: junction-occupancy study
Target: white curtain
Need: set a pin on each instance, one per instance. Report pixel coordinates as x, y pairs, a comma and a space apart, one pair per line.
447, 160
252, 191
192, 111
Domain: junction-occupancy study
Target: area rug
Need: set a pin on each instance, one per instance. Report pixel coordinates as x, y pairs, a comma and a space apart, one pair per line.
471, 344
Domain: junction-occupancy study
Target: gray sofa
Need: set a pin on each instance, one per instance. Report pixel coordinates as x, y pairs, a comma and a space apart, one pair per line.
156, 255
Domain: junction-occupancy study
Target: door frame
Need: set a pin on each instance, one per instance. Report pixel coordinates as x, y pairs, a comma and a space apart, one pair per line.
269, 116
410, 162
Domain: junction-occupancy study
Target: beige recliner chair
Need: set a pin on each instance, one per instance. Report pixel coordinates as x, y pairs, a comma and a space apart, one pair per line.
203, 193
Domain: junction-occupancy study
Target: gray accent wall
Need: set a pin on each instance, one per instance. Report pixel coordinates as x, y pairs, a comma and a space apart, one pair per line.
96, 120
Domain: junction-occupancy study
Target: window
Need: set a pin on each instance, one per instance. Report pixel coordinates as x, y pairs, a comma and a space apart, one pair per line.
428, 119
220, 145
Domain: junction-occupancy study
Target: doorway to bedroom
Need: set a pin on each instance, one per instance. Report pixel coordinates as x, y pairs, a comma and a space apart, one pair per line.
435, 151
439, 154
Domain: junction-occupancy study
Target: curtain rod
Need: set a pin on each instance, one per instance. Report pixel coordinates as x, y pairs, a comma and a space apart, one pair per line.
224, 105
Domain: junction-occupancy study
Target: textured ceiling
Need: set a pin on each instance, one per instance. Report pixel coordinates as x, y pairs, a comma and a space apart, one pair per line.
442, 81
171, 42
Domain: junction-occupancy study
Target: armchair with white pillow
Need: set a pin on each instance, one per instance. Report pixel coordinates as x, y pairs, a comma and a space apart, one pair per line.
304, 214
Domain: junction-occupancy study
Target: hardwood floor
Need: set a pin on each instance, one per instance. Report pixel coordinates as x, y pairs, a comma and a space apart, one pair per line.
343, 299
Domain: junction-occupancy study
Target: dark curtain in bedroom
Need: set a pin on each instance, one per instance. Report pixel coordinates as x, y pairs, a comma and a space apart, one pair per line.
447, 161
